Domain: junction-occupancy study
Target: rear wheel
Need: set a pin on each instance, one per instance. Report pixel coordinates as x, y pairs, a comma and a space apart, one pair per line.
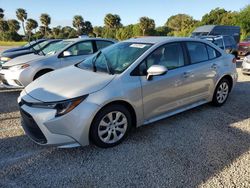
221, 92
110, 126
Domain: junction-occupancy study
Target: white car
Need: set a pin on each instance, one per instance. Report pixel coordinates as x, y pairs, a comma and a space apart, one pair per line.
246, 65
22, 70
131, 83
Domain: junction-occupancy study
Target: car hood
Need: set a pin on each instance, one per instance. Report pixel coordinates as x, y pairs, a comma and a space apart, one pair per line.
15, 49
24, 59
16, 53
67, 83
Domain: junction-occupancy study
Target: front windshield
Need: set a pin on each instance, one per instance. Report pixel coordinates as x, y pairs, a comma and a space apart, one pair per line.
29, 43
55, 47
40, 46
115, 58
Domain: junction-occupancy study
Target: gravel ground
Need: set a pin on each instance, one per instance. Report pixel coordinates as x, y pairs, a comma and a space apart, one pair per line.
203, 147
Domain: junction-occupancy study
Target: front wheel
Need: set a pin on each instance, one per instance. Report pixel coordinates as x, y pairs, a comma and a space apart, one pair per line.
221, 93
110, 126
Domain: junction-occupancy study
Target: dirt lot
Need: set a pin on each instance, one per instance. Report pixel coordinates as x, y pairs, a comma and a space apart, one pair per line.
203, 147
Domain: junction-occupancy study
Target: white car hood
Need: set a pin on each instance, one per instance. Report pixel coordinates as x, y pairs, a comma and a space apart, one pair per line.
23, 59
67, 83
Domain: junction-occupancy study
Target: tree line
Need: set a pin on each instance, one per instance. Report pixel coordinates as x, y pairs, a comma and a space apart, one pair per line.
176, 25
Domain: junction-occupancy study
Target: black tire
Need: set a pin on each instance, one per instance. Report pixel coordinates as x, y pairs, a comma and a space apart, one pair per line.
40, 73
216, 101
94, 134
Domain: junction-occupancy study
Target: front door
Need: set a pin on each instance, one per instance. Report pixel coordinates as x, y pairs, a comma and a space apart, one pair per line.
167, 92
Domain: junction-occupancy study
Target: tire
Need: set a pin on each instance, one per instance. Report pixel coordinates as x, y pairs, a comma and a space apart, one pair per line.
40, 73
105, 133
221, 92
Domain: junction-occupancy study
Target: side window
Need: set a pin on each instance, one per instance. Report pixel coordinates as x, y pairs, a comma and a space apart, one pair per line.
170, 55
212, 53
82, 48
197, 52
102, 44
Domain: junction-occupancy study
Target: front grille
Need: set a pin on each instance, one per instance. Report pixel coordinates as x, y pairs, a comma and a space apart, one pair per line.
31, 128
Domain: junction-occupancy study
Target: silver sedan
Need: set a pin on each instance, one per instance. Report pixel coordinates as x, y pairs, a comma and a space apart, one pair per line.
131, 83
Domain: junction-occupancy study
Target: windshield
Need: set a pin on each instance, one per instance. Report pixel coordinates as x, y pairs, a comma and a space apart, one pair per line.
53, 48
115, 58
29, 43
40, 46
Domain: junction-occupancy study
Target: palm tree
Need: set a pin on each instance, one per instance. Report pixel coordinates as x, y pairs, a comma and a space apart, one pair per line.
3, 26
97, 30
112, 21
21, 15
30, 25
14, 25
78, 23
45, 20
1, 13
146, 24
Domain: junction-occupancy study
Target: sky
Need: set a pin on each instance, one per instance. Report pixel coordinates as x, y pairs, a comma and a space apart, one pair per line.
62, 11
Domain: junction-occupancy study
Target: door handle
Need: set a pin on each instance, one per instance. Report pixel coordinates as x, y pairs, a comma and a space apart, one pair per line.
214, 66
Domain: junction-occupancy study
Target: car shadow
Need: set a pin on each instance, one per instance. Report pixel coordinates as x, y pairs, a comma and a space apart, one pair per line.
8, 100
185, 150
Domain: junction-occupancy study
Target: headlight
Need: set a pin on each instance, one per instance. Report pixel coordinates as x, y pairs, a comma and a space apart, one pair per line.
19, 67
5, 59
62, 107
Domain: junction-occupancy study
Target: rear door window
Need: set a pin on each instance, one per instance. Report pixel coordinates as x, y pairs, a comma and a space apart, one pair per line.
197, 52
212, 53
81, 48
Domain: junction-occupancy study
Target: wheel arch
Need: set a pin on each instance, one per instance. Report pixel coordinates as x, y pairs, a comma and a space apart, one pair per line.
229, 78
46, 70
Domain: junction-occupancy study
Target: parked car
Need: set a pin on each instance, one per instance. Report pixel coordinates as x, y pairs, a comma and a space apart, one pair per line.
225, 42
35, 49
22, 70
27, 46
214, 30
246, 65
131, 83
244, 48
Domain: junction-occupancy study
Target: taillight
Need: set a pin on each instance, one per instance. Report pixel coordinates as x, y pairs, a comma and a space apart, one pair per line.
234, 60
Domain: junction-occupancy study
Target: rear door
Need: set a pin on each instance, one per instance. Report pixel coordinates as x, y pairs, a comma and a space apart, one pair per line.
100, 44
203, 67
79, 52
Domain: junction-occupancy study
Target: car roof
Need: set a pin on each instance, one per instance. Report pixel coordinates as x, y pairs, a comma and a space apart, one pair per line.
84, 39
156, 39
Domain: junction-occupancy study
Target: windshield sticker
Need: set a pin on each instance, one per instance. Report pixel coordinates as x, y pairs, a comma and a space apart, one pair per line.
138, 45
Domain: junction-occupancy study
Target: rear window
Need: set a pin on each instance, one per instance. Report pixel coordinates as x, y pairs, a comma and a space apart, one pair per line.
212, 53
197, 52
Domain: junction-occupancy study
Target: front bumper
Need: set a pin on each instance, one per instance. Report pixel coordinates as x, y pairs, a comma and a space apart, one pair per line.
44, 128
12, 79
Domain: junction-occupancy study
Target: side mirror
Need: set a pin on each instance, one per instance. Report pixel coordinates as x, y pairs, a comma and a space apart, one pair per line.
67, 53
156, 70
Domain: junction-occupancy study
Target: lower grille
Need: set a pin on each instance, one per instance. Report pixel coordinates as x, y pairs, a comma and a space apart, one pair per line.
31, 128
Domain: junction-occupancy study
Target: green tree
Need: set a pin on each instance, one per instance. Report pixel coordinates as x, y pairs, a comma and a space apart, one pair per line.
230, 18
214, 17
162, 31
97, 30
56, 31
244, 21
180, 24
21, 15
78, 23
125, 32
112, 21
31, 25
87, 28
1, 13
45, 19
4, 27
14, 25
146, 24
